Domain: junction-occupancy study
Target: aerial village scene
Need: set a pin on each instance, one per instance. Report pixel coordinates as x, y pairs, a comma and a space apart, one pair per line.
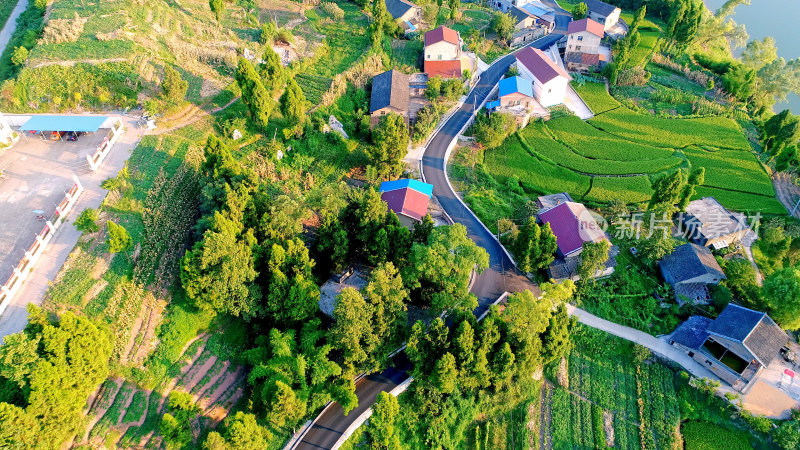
397, 224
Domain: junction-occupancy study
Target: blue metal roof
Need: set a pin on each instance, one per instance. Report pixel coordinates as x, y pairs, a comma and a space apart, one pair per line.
493, 104
411, 26
419, 186
64, 123
516, 84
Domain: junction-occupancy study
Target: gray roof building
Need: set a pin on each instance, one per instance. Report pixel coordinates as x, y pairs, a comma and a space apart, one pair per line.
688, 262
736, 346
711, 224
599, 7
692, 333
397, 8
690, 268
389, 89
759, 334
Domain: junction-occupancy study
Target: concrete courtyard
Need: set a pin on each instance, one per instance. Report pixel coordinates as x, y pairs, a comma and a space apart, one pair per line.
36, 175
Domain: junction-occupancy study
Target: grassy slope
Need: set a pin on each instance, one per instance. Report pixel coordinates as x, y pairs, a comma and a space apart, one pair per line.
134, 42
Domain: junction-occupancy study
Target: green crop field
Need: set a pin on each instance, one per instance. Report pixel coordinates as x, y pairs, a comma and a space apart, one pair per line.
732, 169
628, 189
535, 175
617, 154
596, 96
603, 371
590, 142
669, 132
537, 139
707, 436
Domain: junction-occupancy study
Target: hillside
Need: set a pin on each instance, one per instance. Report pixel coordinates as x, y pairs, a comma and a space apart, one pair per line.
112, 53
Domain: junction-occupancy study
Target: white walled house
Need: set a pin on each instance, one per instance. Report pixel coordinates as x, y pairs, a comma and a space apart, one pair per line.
602, 12
549, 80
584, 36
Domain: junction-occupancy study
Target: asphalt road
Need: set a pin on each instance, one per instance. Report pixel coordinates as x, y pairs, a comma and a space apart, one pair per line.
501, 276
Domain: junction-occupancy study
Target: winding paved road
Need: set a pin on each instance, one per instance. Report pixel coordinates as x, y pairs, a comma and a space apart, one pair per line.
501, 276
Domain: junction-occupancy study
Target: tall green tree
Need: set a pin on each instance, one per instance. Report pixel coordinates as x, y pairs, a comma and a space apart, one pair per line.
254, 94
503, 25
71, 359
391, 139
217, 7
579, 11
781, 292
118, 239
273, 74
382, 426
292, 294
780, 131
534, 246
293, 104
174, 87
454, 6
241, 432
439, 272
593, 258
218, 272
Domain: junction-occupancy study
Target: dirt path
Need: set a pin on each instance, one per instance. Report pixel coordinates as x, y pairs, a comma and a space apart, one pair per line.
192, 114
786, 191
545, 439
73, 62
209, 399
197, 373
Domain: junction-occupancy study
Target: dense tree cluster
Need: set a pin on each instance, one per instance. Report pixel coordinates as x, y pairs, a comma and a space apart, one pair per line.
534, 246
47, 372
457, 367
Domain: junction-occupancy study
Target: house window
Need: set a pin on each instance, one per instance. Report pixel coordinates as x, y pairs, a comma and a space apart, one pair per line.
580, 38
577, 48
550, 90
440, 57
691, 354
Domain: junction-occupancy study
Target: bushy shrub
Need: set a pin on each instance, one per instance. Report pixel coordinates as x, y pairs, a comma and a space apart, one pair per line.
332, 10
87, 220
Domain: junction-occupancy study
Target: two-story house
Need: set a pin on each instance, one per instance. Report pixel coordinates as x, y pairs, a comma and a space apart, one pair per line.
583, 49
549, 80
444, 54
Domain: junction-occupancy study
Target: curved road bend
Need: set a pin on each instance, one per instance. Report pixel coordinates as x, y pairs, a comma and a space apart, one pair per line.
501, 275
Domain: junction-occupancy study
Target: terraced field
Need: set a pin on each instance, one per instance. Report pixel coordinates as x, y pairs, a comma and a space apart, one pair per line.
618, 153
123, 415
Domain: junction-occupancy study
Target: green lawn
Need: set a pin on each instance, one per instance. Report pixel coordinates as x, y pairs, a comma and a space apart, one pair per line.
596, 96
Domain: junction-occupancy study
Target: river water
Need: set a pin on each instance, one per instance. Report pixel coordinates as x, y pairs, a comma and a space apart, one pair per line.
777, 18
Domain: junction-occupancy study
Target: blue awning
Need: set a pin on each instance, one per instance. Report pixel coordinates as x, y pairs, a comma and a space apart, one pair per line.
64, 123
493, 104
411, 26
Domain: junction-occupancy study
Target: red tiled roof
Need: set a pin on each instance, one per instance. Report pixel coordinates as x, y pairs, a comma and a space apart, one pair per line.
587, 24
445, 69
408, 202
441, 34
542, 67
589, 59
573, 225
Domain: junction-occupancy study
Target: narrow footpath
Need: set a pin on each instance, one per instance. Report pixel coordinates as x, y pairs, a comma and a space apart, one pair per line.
659, 346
